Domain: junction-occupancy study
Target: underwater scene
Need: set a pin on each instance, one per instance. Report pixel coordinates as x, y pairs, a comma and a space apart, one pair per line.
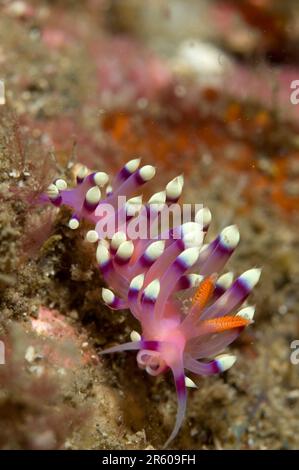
149, 225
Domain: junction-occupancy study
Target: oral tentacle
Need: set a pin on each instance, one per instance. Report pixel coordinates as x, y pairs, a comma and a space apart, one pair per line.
179, 379
131, 346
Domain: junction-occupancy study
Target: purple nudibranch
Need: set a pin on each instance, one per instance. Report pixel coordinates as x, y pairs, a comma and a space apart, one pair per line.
188, 314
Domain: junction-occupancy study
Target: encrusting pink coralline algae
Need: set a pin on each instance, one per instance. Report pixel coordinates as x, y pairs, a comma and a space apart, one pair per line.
170, 283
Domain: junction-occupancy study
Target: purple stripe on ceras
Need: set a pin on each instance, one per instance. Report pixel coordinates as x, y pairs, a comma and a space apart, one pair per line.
221, 248
172, 200
118, 304
214, 367
121, 261
147, 300
114, 304
173, 236
181, 244
149, 211
208, 368
133, 294
211, 246
113, 250
80, 180
128, 217
124, 174
106, 267
90, 178
184, 283
138, 178
56, 201
90, 207
179, 264
240, 289
177, 235
146, 261
218, 291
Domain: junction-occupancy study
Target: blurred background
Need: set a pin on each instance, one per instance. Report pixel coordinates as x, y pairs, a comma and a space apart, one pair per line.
203, 87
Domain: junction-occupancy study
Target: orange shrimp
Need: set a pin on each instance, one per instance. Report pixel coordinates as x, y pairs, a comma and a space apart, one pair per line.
204, 292
220, 324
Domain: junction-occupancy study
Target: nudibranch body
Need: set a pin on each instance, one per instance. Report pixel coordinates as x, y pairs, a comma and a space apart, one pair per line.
188, 314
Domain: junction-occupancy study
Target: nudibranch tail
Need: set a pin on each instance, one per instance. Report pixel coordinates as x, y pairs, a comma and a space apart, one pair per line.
181, 391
